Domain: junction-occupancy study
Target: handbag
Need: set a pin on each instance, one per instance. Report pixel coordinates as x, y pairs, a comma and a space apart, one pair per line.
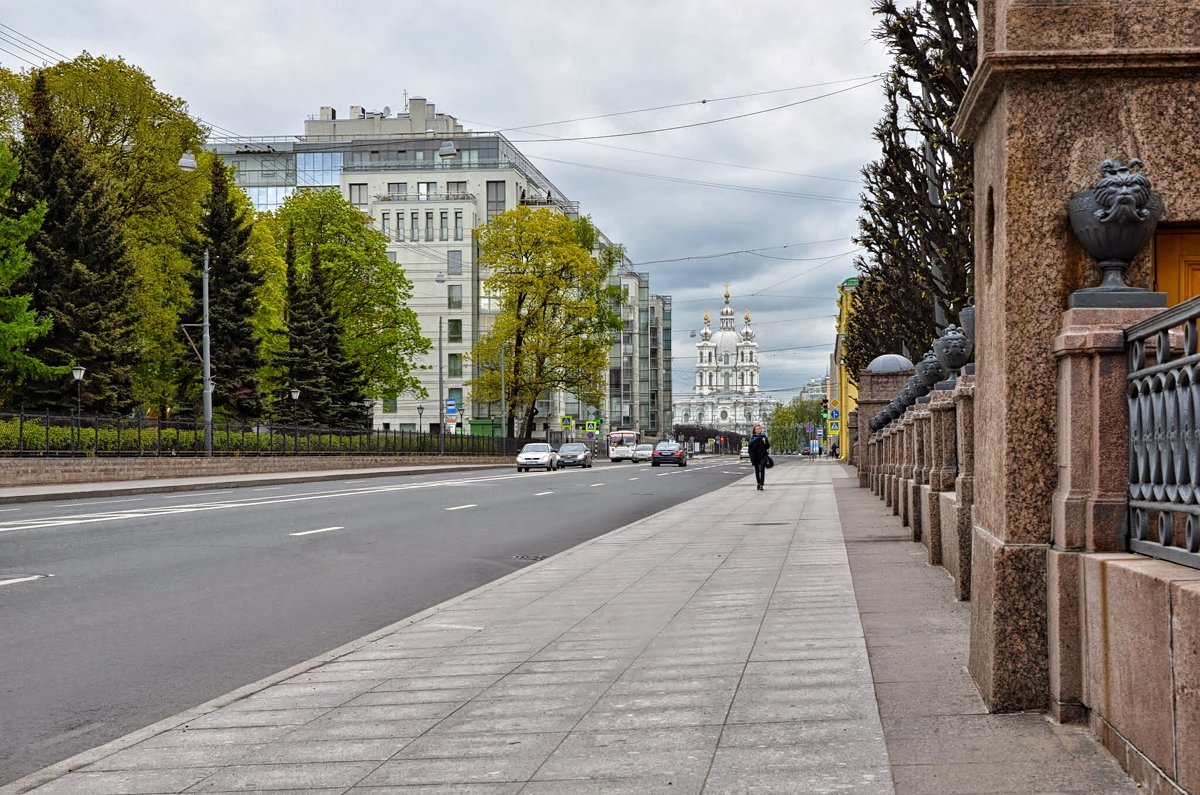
770, 462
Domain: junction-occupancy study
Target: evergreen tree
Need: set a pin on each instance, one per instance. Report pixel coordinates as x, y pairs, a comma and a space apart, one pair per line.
19, 325
918, 201
304, 361
345, 385
232, 282
81, 275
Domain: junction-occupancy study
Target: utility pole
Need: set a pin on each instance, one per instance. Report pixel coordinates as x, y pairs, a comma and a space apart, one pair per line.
206, 356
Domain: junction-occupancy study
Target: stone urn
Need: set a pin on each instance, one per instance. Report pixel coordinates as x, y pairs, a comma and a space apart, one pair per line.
1113, 220
929, 371
967, 318
953, 350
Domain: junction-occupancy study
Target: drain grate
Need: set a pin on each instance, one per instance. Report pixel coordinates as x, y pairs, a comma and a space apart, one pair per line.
528, 557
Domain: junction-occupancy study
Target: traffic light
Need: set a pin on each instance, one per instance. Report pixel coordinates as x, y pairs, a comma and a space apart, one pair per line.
824, 409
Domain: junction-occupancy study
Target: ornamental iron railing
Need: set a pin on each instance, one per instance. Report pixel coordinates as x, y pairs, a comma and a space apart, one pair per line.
1164, 438
24, 434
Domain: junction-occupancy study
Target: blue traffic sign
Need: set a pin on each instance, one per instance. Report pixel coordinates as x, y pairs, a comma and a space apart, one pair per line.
808, 428
451, 406
834, 414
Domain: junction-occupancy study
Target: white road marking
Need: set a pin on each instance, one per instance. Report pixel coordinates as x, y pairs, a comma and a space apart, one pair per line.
6, 510
266, 488
593, 485
196, 494
662, 474
354, 481
460, 507
15, 580
633, 478
321, 530
543, 493
96, 502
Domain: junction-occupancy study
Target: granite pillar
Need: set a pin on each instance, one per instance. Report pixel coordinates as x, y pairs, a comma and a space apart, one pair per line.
956, 505
875, 391
943, 467
1060, 87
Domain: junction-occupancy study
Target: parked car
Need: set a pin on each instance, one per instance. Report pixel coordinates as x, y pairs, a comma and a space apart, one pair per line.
575, 454
744, 454
537, 455
667, 452
642, 452
621, 452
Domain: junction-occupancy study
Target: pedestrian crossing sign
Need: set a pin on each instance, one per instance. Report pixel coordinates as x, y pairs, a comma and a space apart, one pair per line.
835, 426
566, 423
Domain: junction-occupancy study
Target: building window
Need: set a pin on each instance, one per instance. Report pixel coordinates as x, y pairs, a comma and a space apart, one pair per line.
397, 191
454, 296
456, 190
455, 394
358, 194
454, 263
389, 404
495, 199
710, 380
429, 226
741, 379
426, 191
454, 365
444, 227
454, 330
385, 222
727, 358
415, 232
458, 224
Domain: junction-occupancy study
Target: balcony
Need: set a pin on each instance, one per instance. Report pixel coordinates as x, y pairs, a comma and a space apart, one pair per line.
424, 197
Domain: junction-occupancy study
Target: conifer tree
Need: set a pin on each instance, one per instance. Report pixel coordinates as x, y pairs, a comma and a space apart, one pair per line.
19, 325
304, 362
232, 282
80, 277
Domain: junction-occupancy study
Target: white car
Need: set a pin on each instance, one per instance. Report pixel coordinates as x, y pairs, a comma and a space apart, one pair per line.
744, 455
621, 452
537, 455
641, 453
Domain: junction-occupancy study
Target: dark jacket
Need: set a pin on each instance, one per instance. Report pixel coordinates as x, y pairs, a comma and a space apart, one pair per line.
759, 445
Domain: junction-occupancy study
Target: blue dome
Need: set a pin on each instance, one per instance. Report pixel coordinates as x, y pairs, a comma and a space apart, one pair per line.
889, 363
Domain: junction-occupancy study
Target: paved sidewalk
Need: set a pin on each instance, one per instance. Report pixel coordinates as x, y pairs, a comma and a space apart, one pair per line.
780, 641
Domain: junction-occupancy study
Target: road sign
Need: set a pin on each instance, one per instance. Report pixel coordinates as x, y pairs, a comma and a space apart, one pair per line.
833, 403
566, 423
808, 428
834, 414
820, 433
590, 427
451, 406
835, 427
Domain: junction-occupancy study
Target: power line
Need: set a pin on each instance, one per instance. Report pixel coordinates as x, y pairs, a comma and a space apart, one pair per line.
740, 251
524, 127
43, 47
684, 181
699, 123
19, 57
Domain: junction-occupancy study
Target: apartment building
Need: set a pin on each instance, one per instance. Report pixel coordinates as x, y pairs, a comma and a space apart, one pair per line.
428, 183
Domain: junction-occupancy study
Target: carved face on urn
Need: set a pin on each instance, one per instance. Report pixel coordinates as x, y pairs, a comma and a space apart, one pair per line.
929, 370
953, 348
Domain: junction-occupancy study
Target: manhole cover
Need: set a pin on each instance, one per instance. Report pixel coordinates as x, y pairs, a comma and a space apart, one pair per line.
528, 557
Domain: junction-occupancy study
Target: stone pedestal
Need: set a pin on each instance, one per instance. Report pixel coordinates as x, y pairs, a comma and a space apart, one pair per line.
1090, 504
943, 467
1061, 86
956, 508
875, 390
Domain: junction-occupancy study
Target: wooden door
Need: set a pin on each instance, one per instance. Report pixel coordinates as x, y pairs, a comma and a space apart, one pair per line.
1177, 264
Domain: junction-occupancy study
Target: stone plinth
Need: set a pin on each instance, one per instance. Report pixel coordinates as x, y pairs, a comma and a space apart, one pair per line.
1090, 504
1060, 87
875, 390
956, 526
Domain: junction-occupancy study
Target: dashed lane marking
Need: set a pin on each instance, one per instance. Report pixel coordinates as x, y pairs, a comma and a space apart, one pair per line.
543, 493
319, 530
30, 578
460, 507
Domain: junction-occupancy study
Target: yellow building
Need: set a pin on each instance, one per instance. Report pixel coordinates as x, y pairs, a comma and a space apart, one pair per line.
842, 393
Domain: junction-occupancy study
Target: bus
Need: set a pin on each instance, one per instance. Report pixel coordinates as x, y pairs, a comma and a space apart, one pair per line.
621, 444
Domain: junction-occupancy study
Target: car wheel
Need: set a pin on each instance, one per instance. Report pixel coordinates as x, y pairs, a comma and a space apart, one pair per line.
683, 463
653, 463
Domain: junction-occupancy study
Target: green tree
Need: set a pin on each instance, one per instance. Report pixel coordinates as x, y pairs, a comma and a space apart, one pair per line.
303, 362
80, 272
134, 135
916, 225
367, 292
19, 324
233, 295
557, 312
786, 428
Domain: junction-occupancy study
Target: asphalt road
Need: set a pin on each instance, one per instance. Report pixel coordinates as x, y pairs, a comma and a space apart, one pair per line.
119, 612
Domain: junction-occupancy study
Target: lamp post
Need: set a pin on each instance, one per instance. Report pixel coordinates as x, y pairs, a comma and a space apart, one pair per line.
440, 278
188, 163
77, 373
420, 417
295, 393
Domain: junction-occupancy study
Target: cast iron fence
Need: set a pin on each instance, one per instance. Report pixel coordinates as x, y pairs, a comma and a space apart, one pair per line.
48, 435
1164, 437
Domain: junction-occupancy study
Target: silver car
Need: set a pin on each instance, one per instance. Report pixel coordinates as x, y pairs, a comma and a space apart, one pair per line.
574, 454
642, 452
537, 455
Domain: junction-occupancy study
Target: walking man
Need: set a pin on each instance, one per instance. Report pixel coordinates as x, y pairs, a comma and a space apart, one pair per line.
760, 446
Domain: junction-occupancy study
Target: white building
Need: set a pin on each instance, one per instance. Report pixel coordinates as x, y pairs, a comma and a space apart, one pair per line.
726, 393
428, 184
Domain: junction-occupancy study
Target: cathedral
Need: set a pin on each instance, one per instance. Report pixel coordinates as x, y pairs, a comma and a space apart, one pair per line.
726, 391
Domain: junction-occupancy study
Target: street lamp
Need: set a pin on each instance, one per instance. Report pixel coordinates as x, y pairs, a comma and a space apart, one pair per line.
440, 278
188, 163
420, 417
77, 373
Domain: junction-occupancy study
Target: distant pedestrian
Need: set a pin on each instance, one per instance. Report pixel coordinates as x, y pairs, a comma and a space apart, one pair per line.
760, 447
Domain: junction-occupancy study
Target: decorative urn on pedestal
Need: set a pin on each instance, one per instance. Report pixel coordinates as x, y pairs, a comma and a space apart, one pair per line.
1113, 221
953, 350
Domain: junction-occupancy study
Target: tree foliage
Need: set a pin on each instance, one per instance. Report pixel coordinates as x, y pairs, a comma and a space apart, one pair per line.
557, 312
787, 426
367, 292
917, 204
19, 324
80, 272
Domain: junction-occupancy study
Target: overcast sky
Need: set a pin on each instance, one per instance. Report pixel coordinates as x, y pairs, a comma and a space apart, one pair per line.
780, 186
